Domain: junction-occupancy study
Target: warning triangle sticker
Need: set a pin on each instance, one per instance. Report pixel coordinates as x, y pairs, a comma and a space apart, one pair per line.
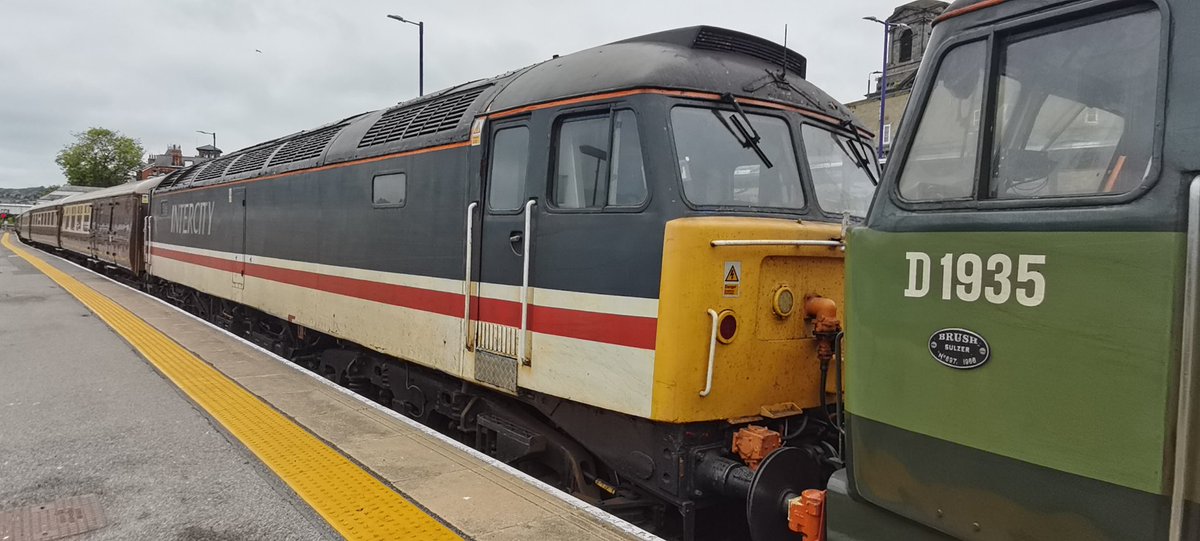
732, 276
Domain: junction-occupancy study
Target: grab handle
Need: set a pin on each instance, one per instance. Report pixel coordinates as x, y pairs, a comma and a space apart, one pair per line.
712, 350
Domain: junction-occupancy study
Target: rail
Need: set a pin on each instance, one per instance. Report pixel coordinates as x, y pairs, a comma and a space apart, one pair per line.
778, 242
712, 350
147, 241
467, 275
525, 255
1187, 363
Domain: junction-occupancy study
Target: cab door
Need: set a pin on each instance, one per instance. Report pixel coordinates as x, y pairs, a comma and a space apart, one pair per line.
500, 336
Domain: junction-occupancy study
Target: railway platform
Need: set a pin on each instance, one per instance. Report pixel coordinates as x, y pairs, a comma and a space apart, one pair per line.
122, 417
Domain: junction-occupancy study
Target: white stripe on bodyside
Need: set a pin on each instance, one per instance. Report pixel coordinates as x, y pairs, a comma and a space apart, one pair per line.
561, 366
550, 298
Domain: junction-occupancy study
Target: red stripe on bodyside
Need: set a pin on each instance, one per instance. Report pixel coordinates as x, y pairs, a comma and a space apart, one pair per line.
196, 259
631, 331
426, 300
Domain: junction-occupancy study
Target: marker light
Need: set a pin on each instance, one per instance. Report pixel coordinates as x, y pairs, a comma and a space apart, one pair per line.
784, 302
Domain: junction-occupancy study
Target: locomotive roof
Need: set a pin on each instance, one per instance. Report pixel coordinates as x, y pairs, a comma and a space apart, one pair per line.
700, 58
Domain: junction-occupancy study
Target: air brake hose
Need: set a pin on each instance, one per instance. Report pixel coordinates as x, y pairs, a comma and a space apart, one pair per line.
827, 329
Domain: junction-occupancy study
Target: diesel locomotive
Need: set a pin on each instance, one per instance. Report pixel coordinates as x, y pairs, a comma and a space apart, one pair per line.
1023, 295
619, 270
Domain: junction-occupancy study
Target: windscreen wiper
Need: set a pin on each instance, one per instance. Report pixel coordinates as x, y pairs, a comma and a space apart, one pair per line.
743, 132
856, 151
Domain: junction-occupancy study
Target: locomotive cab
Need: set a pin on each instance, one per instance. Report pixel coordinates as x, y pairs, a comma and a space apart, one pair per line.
1043, 180
717, 239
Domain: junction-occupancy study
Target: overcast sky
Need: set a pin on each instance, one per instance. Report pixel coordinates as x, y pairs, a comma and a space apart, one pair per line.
160, 70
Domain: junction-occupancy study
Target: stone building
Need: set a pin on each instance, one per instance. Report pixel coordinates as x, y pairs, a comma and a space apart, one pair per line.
173, 158
908, 39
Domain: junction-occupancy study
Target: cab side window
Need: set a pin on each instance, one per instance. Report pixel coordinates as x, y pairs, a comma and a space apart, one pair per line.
1073, 127
941, 162
598, 163
1063, 121
506, 174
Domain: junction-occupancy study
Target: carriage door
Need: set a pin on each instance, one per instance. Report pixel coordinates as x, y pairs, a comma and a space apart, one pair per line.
237, 200
94, 230
501, 339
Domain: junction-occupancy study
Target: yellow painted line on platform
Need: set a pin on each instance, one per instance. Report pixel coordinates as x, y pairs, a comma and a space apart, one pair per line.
354, 503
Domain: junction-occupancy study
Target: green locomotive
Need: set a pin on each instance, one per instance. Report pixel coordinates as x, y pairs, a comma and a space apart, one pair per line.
1022, 299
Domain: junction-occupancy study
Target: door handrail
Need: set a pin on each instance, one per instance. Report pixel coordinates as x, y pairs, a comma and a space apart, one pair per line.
467, 275
525, 256
146, 244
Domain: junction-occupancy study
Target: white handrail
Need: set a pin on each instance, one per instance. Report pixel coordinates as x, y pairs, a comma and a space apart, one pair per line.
525, 282
146, 244
712, 349
779, 242
1187, 365
467, 275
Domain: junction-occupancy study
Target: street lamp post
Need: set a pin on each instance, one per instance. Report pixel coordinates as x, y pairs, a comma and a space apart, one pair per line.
420, 51
887, 41
212, 133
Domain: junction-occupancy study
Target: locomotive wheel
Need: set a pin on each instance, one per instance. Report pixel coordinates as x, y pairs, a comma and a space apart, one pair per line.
783, 475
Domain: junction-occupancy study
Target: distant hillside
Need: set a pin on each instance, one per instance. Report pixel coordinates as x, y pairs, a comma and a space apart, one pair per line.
24, 195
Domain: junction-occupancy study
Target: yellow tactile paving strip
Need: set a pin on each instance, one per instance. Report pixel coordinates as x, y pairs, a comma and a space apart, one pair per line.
357, 505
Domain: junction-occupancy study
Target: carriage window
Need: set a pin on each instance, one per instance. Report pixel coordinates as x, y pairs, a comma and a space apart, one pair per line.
941, 163
717, 170
599, 163
510, 160
1077, 126
837, 174
389, 190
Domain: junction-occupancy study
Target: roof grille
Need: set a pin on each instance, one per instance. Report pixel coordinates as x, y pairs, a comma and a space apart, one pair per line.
216, 168
191, 173
252, 160
433, 116
717, 39
306, 146
171, 180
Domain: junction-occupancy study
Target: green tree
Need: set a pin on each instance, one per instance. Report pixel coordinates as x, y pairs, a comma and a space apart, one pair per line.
100, 157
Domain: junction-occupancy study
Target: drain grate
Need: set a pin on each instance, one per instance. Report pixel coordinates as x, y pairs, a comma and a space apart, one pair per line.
53, 520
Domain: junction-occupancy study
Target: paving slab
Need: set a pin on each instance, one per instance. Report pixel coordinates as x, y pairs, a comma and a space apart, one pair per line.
82, 416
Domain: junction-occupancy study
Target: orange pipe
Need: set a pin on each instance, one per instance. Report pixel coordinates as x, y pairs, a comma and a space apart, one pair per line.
823, 312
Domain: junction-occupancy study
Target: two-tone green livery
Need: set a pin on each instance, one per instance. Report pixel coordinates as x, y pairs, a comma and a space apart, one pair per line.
1021, 300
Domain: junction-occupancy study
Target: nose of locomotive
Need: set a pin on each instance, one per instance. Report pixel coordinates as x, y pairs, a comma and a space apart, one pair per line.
745, 306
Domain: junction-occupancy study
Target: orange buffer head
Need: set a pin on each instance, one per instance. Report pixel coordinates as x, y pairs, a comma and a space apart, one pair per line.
806, 515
